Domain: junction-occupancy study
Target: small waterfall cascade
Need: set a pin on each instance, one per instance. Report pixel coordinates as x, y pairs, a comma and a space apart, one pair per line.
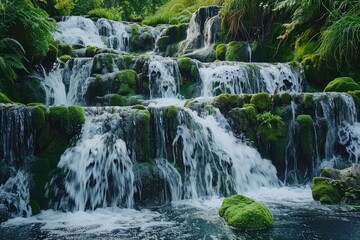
164, 77
203, 29
17, 134
238, 78
214, 161
68, 85
349, 136
335, 110
102, 33
98, 168
17, 140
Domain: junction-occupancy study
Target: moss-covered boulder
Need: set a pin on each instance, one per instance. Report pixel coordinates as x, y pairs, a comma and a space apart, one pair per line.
237, 51
220, 52
243, 121
127, 81
242, 212
270, 127
326, 190
342, 84
306, 143
262, 101
225, 102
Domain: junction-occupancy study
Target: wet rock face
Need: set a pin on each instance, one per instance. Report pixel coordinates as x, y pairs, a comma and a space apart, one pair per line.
4, 213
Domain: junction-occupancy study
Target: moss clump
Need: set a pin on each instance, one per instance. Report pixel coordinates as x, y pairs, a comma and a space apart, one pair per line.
356, 97
50, 58
220, 52
127, 60
243, 212
270, 126
39, 113
306, 138
91, 51
309, 102
326, 190
237, 51
244, 120
65, 49
76, 118
138, 107
225, 102
64, 58
262, 101
188, 69
117, 100
285, 98
67, 119
134, 39
171, 112
142, 125
342, 84
4, 99
127, 81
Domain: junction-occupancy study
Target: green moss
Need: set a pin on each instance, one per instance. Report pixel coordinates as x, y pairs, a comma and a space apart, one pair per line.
91, 51
342, 84
127, 60
171, 112
134, 39
188, 69
237, 51
262, 101
59, 117
4, 99
242, 212
142, 124
65, 49
172, 49
139, 107
76, 118
285, 98
244, 120
221, 52
39, 116
64, 58
309, 104
127, 81
225, 102
116, 100
186, 89
356, 97
306, 138
326, 190
270, 126
35, 207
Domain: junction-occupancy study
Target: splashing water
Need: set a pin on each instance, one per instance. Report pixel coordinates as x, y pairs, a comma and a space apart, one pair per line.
164, 78
238, 78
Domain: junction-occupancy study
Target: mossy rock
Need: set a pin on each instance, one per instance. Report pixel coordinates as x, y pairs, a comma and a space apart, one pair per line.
188, 69
91, 51
134, 38
67, 119
31, 90
220, 52
171, 113
356, 97
326, 190
242, 212
65, 49
309, 104
127, 79
262, 101
306, 133
317, 72
237, 51
270, 127
64, 58
4, 99
225, 102
39, 113
243, 120
342, 84
50, 58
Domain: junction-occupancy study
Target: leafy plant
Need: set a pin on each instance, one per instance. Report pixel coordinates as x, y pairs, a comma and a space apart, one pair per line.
112, 13
267, 118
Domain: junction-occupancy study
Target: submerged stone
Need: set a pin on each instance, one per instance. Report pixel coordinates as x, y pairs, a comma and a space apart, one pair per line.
243, 212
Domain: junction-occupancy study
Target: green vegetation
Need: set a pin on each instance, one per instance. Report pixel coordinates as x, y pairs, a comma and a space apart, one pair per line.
306, 138
242, 212
178, 11
262, 101
326, 190
270, 126
342, 84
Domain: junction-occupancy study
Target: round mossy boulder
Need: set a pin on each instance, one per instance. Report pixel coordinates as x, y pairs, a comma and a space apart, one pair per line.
262, 101
342, 84
326, 190
243, 212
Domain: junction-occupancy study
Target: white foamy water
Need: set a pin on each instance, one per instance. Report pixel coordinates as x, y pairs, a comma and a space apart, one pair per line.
100, 221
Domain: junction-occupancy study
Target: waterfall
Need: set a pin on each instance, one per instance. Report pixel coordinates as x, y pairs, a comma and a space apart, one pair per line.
335, 110
68, 85
102, 33
98, 168
203, 29
17, 141
164, 78
238, 78
172, 177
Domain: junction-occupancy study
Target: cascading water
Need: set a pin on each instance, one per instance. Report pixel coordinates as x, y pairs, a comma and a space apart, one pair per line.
98, 168
17, 141
164, 78
238, 78
203, 29
68, 85
102, 33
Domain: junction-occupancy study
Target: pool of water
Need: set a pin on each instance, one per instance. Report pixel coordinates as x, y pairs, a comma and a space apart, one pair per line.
296, 215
